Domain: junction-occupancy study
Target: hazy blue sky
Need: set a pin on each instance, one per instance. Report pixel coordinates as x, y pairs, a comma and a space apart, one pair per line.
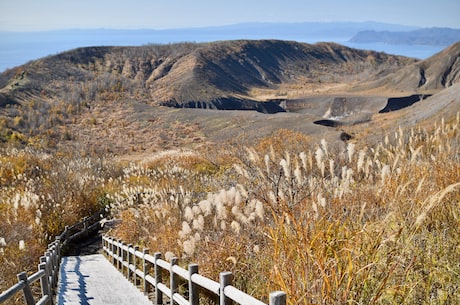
24, 15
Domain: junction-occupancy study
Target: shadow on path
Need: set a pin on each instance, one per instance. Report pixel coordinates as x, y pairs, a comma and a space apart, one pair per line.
68, 283
85, 246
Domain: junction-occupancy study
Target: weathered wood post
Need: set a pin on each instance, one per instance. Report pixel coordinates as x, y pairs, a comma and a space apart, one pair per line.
145, 270
173, 279
85, 223
120, 255
115, 252
112, 249
54, 263
66, 233
158, 279
136, 248
27, 292
104, 243
58, 248
128, 258
44, 283
225, 280
48, 270
194, 297
277, 298
53, 273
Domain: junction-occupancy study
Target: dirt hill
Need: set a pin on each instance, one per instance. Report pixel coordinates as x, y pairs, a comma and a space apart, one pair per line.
184, 74
112, 99
428, 76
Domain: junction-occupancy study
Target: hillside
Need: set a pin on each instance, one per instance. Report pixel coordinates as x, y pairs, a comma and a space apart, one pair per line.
134, 100
362, 208
185, 73
111, 97
347, 167
438, 72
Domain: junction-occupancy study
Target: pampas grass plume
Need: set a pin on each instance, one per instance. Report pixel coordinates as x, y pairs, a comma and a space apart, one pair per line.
235, 227
267, 164
350, 151
284, 164
188, 214
206, 207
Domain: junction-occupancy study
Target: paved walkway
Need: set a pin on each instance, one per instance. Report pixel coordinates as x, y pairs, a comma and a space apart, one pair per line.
92, 280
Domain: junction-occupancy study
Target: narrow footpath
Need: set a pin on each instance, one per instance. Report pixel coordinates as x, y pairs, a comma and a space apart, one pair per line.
87, 278
92, 280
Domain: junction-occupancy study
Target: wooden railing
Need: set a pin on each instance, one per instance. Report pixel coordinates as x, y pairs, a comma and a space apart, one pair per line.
48, 268
146, 270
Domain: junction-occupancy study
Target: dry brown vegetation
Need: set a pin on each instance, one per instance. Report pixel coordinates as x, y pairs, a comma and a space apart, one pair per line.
279, 201
371, 225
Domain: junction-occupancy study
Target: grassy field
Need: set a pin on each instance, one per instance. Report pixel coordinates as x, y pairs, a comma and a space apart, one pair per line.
328, 225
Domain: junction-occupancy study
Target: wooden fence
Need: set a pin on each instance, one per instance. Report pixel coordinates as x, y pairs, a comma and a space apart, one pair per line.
48, 268
144, 269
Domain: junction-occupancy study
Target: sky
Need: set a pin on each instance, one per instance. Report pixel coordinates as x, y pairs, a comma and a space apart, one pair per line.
40, 15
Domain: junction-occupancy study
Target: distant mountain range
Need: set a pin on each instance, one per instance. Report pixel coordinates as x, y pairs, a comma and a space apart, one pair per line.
428, 36
302, 32
16, 48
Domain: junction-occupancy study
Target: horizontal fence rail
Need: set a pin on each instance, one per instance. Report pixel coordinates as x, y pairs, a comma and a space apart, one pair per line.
48, 268
147, 270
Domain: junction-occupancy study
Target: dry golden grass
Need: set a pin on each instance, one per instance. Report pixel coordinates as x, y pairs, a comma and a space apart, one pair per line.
355, 224
39, 195
366, 225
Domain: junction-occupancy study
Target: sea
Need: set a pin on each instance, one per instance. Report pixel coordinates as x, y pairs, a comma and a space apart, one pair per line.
19, 48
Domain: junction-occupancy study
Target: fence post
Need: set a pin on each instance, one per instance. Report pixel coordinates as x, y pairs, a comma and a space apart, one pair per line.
124, 256
53, 273
277, 298
44, 283
54, 263
58, 248
114, 251
28, 297
120, 255
136, 248
145, 270
104, 243
225, 280
109, 242
48, 270
85, 223
108, 246
158, 279
128, 258
173, 279
66, 235
193, 288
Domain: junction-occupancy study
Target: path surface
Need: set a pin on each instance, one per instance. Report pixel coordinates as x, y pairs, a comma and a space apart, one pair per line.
92, 280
